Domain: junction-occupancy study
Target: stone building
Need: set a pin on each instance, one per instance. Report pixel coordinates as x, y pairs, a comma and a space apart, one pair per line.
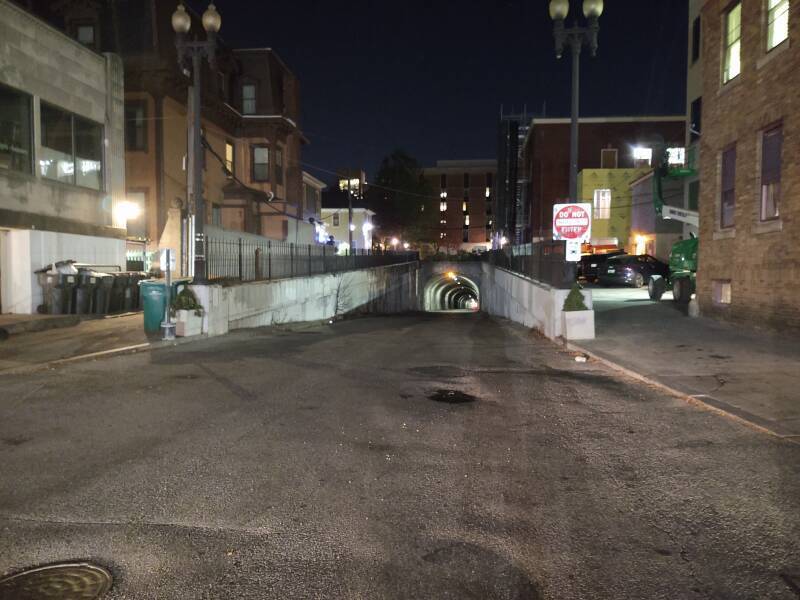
62, 170
749, 254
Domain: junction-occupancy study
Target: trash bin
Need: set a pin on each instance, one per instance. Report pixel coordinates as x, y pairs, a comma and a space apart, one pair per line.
102, 293
84, 292
119, 289
136, 293
64, 302
48, 282
154, 301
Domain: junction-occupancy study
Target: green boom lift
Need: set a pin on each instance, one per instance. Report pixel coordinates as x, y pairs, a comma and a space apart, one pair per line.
683, 256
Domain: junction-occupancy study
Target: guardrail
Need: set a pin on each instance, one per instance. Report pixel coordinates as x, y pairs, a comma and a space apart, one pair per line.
248, 260
543, 261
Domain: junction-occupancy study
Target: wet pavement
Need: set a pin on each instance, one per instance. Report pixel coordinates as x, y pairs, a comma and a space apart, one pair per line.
314, 464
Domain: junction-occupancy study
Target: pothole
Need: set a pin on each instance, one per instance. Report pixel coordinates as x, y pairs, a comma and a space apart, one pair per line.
452, 397
64, 581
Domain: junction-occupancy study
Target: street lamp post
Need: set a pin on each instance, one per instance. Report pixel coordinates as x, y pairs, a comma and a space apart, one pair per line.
194, 52
575, 37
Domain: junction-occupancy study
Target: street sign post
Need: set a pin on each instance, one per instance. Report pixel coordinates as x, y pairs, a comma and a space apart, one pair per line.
573, 223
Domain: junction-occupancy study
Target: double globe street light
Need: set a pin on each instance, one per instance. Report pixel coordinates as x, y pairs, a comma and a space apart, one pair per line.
194, 52
576, 38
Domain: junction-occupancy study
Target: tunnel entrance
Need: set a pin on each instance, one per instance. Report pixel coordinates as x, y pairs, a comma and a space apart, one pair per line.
452, 291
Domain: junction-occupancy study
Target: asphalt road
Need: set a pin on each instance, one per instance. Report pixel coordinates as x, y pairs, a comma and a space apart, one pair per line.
313, 464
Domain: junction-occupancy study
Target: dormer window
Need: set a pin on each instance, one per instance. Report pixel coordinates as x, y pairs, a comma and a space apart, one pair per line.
248, 99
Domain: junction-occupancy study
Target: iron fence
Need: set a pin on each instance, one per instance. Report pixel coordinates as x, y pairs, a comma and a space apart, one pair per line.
543, 261
248, 260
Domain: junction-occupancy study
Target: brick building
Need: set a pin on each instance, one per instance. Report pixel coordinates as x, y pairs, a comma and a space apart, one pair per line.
749, 267
604, 143
465, 189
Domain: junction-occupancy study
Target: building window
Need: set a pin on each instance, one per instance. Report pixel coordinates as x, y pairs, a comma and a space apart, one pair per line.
85, 34
335, 219
466, 180
136, 125
727, 213
443, 222
279, 166
248, 99
216, 215
777, 22
489, 183
230, 159
15, 130
602, 204
696, 40
442, 206
442, 235
721, 292
732, 63
642, 156
260, 163
465, 236
72, 148
464, 207
676, 157
609, 158
772, 145
466, 221
443, 181
696, 119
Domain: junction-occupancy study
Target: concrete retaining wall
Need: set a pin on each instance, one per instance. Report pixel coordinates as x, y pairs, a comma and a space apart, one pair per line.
524, 300
383, 290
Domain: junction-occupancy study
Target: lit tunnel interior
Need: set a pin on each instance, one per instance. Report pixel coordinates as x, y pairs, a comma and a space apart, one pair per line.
452, 291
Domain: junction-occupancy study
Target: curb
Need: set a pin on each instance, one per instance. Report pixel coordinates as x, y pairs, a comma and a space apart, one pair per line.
703, 401
144, 347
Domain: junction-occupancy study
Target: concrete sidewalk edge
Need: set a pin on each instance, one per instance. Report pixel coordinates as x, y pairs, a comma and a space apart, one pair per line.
704, 401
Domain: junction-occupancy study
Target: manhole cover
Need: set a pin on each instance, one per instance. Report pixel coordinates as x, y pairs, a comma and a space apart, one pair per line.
452, 397
67, 581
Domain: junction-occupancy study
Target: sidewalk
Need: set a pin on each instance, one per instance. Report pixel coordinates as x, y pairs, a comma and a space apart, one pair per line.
753, 375
23, 350
15, 324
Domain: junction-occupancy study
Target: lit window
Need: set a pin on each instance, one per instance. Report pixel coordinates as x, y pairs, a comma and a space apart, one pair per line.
488, 192
602, 204
229, 158
733, 43
466, 221
777, 22
442, 206
248, 99
442, 235
772, 145
676, 156
443, 222
642, 154
721, 291
464, 207
72, 148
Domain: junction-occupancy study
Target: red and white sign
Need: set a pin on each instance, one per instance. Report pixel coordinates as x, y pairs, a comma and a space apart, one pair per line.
572, 222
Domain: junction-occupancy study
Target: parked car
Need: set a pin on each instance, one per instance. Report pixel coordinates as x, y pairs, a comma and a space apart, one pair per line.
589, 267
627, 269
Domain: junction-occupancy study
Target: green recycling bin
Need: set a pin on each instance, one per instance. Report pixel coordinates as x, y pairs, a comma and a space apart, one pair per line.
154, 299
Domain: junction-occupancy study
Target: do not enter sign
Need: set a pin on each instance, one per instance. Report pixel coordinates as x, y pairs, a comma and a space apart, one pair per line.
572, 222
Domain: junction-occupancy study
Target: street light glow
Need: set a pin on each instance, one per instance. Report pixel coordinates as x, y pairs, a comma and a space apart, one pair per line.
395, 241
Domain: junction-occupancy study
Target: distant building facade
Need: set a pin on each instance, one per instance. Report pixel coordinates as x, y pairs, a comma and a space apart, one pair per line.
604, 143
336, 216
62, 170
749, 269
465, 189
511, 218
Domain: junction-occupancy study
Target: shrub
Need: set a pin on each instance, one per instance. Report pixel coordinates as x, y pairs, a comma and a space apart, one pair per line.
574, 300
186, 300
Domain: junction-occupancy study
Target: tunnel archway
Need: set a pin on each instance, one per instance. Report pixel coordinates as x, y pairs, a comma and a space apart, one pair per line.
451, 291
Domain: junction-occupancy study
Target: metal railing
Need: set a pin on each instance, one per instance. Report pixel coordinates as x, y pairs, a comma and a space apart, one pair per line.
543, 261
248, 260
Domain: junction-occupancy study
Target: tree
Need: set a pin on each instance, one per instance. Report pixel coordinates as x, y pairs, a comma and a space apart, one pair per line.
403, 201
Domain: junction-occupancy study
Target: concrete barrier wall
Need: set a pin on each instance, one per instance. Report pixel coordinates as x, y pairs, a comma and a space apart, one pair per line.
383, 290
524, 300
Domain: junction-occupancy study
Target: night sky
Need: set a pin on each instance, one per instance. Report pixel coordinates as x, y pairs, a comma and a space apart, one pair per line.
430, 77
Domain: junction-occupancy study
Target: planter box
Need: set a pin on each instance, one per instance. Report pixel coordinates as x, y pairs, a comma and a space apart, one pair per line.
578, 325
188, 323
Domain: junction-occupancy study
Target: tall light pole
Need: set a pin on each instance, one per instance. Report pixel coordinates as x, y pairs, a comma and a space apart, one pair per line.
575, 37
194, 52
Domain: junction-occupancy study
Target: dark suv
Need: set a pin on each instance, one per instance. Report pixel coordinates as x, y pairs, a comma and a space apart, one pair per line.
589, 267
631, 270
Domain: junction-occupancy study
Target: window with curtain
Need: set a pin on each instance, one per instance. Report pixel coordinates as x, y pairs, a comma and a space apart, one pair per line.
771, 148
727, 213
732, 63
777, 22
